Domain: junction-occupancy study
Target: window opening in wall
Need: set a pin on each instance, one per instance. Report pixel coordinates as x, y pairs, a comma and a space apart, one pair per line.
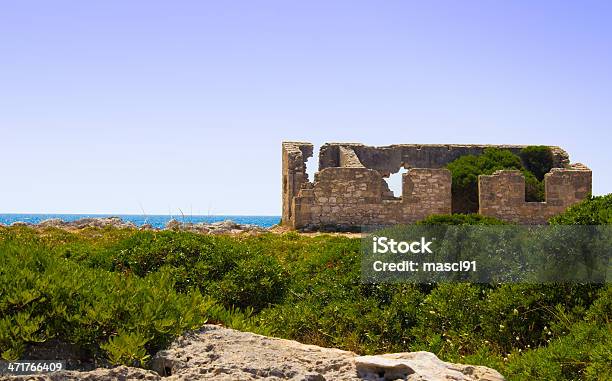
395, 182
312, 164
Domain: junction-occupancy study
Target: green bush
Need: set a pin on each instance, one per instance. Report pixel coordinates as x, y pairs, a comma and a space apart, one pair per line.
450, 319
111, 315
466, 169
534, 189
593, 211
460, 219
537, 160
127, 348
254, 282
123, 294
219, 266
583, 354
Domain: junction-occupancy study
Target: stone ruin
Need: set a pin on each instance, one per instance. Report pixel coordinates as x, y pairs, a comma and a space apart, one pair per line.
349, 190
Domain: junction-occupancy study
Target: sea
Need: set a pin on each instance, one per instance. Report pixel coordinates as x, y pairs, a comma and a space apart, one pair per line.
157, 221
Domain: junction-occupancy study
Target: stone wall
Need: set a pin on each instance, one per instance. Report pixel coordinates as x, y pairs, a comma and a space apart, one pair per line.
389, 159
294, 156
348, 198
350, 190
502, 194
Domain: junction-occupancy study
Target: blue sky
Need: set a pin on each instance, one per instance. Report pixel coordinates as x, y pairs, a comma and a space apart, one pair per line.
125, 106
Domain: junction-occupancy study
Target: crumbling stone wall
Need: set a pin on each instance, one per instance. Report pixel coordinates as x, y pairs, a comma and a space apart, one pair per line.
502, 194
350, 190
389, 159
345, 198
294, 156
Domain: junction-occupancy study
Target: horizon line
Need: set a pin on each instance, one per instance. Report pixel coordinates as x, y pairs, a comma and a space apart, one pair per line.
141, 214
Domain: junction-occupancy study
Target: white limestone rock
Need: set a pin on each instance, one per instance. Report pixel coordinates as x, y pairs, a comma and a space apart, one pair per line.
419, 366
222, 354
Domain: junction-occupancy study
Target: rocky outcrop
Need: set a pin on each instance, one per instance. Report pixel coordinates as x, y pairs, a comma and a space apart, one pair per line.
216, 353
98, 222
419, 366
222, 227
19, 223
122, 373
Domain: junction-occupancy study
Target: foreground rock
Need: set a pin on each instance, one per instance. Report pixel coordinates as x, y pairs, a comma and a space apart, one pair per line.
216, 353
419, 366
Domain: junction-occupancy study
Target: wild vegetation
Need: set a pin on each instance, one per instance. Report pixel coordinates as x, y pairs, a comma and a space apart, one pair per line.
533, 161
123, 294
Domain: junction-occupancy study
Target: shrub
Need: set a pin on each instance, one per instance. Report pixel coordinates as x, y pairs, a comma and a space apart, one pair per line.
582, 354
222, 267
147, 251
537, 160
253, 282
593, 211
116, 316
449, 319
127, 348
460, 219
466, 169
123, 294
534, 188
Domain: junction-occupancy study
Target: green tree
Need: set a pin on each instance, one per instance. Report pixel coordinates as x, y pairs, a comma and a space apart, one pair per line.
466, 169
537, 160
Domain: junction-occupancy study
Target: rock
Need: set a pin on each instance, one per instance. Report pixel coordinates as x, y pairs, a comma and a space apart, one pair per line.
173, 224
84, 223
19, 223
217, 353
99, 222
52, 222
100, 374
200, 227
227, 225
419, 366
223, 227
218, 231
